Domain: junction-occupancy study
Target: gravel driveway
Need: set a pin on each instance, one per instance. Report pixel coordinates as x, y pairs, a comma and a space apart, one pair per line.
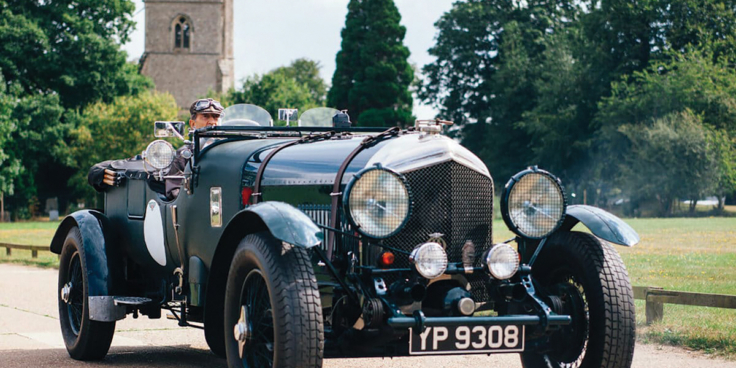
30, 337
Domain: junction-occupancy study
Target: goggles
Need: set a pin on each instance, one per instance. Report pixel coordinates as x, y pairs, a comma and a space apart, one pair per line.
203, 105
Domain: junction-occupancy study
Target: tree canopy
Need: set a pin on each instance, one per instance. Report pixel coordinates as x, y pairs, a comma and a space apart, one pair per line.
558, 84
68, 47
486, 73
56, 58
372, 75
10, 166
671, 157
297, 85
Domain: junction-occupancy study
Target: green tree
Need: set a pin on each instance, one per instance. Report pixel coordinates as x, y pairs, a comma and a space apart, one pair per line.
67, 47
707, 24
725, 154
691, 87
306, 72
10, 166
690, 81
616, 41
486, 70
58, 56
116, 130
297, 85
372, 75
672, 157
39, 143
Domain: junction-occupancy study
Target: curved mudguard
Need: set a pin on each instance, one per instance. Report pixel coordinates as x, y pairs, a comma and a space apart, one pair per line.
601, 223
287, 223
103, 270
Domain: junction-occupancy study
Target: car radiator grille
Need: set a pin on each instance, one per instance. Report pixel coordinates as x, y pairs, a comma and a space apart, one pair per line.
453, 200
320, 213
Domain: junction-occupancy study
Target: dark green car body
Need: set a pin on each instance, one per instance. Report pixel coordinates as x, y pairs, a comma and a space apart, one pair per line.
176, 253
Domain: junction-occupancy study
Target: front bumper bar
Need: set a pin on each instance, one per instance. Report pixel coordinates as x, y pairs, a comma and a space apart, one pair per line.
419, 321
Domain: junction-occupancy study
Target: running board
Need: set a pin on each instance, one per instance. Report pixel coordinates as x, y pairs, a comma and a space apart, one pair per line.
112, 308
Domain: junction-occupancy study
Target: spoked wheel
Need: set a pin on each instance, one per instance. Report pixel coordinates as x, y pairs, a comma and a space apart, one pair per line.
273, 314
84, 339
582, 276
73, 294
255, 325
567, 294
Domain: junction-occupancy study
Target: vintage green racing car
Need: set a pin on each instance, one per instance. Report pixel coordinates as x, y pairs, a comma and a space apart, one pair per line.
295, 243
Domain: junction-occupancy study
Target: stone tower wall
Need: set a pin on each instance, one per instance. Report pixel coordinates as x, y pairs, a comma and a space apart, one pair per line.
208, 63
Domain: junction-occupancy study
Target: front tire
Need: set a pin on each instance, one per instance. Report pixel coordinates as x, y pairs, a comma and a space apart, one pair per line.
587, 277
84, 339
272, 296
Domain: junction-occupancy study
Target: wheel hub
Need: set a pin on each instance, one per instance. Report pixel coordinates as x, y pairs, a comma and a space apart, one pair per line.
242, 331
66, 291
572, 339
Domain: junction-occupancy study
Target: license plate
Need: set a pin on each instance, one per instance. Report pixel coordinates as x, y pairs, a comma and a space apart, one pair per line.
466, 340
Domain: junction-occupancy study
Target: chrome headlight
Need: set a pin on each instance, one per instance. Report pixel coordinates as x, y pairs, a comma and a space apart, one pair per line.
429, 259
502, 261
377, 202
533, 204
159, 154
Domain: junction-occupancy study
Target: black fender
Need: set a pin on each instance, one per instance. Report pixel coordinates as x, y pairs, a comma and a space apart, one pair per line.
285, 222
601, 223
104, 266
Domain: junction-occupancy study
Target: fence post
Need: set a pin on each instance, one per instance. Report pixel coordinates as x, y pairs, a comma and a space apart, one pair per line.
34, 254
8, 251
654, 307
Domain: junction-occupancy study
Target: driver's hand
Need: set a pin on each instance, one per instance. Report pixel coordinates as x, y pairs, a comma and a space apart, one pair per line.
113, 178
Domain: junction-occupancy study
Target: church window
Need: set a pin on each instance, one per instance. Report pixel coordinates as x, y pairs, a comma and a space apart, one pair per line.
182, 31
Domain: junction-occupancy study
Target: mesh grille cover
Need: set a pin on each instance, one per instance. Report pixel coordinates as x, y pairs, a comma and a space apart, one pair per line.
453, 200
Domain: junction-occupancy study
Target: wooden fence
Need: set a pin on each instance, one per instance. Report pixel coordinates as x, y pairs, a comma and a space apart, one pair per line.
656, 298
33, 248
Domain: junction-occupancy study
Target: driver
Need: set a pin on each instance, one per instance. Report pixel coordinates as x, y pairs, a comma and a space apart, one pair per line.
205, 112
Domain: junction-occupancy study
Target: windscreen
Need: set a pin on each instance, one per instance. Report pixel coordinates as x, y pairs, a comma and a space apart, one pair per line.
317, 117
246, 115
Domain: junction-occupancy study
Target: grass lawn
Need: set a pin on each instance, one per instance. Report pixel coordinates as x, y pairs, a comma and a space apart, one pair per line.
29, 233
686, 254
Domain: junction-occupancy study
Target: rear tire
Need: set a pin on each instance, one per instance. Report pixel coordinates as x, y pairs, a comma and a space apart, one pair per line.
272, 289
84, 339
588, 276
215, 340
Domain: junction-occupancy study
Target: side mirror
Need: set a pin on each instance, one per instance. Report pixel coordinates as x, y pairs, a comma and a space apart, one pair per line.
166, 129
288, 115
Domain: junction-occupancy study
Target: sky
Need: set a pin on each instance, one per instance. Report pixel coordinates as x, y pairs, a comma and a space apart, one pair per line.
270, 34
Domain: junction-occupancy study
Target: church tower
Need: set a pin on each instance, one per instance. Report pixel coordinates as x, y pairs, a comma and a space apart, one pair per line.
189, 47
